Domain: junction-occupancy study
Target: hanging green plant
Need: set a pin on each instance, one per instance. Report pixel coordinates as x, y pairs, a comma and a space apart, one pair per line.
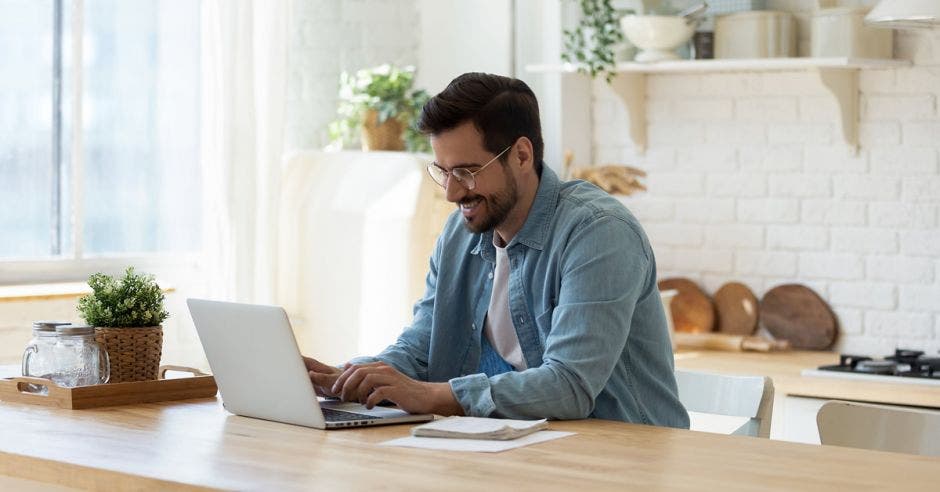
591, 44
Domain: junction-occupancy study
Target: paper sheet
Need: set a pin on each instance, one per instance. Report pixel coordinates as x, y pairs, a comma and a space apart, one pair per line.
477, 445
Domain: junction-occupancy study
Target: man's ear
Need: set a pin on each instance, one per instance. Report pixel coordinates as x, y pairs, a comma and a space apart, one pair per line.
524, 152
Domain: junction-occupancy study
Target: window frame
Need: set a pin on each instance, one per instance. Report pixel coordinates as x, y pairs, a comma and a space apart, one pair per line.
74, 264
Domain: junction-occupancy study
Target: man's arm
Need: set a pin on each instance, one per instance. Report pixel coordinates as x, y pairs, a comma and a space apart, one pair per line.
604, 271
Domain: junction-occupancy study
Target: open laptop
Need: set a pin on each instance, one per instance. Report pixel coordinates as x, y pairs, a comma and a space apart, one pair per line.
260, 373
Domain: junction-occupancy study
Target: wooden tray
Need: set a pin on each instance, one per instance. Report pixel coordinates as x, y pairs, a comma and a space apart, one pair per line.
200, 385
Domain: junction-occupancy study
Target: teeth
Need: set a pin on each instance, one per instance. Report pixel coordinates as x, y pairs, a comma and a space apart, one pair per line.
469, 205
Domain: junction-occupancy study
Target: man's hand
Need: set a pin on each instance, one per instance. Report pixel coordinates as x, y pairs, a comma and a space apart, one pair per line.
322, 376
374, 382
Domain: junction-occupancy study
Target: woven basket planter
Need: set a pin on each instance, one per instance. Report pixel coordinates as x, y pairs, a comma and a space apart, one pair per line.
385, 136
134, 352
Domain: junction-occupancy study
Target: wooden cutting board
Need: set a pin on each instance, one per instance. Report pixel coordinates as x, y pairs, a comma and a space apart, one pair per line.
737, 309
795, 313
692, 310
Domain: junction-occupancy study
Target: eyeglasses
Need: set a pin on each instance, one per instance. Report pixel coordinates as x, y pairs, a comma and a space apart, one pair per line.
466, 178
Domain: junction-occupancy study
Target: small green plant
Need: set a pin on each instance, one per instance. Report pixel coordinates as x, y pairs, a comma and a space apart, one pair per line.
591, 44
387, 90
134, 300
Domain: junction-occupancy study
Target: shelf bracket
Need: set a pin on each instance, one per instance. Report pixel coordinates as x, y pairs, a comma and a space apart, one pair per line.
631, 87
843, 84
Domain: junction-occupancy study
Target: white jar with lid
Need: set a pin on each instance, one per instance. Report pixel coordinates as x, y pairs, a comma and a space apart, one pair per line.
39, 356
80, 361
842, 32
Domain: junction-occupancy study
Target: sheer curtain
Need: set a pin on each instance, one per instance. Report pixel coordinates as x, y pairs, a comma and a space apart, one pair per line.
244, 87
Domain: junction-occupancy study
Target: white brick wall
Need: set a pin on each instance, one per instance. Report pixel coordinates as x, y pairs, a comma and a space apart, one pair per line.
749, 180
330, 36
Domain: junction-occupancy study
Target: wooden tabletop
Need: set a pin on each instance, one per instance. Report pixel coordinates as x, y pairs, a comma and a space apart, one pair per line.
196, 444
785, 368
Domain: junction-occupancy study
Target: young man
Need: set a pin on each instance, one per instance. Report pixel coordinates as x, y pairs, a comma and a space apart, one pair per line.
541, 298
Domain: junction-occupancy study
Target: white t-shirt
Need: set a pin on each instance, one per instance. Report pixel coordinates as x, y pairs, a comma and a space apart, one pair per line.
498, 327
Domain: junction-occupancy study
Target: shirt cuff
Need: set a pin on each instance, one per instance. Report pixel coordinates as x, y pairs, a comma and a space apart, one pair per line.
473, 394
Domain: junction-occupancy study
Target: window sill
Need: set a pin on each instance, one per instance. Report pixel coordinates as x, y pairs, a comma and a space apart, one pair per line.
51, 291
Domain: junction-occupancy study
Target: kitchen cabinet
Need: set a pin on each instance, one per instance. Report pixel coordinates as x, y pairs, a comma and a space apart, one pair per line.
839, 76
797, 398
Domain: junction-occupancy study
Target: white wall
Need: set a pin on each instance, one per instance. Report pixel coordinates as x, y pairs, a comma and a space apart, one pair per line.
749, 180
460, 36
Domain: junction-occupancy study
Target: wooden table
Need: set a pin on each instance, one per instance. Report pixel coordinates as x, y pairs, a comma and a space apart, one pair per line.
196, 444
785, 367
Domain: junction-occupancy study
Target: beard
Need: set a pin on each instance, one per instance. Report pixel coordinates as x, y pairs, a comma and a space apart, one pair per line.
498, 206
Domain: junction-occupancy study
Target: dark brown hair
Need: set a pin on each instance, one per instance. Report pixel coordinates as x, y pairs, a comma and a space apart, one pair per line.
501, 108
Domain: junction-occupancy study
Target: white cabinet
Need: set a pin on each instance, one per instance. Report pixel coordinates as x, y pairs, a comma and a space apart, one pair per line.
357, 229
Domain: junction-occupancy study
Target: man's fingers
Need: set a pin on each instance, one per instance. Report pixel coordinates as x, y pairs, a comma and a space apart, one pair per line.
378, 395
317, 366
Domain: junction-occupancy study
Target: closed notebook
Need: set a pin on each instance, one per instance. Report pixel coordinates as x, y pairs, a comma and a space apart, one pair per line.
479, 428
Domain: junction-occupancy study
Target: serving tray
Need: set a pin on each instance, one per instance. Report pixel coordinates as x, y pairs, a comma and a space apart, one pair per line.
199, 385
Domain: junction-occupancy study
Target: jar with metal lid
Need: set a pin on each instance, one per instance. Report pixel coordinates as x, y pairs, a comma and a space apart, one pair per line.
39, 356
80, 361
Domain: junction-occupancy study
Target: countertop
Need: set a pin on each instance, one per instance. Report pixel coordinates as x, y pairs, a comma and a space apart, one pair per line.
196, 445
785, 368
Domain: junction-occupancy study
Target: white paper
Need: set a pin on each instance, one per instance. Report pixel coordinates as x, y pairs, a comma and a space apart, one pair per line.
476, 445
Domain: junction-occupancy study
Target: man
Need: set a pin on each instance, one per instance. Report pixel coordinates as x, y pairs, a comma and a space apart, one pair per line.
541, 298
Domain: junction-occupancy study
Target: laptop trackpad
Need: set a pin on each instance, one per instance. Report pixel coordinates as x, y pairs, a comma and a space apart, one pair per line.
382, 412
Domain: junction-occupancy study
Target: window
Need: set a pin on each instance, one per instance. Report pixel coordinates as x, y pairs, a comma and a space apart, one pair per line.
99, 129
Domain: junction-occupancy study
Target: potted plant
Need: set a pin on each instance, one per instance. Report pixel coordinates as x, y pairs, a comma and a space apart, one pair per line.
591, 43
381, 104
126, 313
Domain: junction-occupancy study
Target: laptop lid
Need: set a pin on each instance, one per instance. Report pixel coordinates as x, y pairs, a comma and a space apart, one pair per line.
258, 368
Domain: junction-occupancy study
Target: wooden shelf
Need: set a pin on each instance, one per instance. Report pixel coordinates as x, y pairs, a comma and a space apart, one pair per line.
838, 75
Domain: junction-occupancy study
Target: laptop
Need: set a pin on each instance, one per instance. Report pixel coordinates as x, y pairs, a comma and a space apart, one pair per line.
260, 373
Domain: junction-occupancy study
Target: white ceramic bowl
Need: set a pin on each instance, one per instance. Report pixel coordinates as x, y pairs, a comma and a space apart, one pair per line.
657, 36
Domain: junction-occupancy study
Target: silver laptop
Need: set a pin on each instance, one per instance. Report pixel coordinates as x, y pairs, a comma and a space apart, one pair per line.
254, 357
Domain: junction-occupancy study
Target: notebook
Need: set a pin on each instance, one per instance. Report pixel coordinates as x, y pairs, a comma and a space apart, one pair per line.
260, 373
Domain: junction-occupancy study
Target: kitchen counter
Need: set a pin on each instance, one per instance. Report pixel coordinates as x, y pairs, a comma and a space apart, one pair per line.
196, 445
785, 367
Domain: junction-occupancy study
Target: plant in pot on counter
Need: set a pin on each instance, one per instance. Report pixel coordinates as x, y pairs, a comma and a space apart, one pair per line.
378, 107
126, 313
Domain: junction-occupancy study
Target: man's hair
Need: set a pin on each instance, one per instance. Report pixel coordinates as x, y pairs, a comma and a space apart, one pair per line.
501, 108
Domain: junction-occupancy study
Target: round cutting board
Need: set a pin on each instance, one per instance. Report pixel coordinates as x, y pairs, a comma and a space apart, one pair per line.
737, 309
692, 310
795, 313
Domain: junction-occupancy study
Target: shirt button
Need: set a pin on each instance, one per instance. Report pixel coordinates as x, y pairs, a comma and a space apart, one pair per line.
473, 326
521, 319
490, 276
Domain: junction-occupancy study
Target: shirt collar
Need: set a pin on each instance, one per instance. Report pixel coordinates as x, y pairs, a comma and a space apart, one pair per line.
535, 228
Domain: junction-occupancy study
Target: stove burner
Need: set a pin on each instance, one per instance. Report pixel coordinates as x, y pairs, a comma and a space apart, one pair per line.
876, 366
903, 363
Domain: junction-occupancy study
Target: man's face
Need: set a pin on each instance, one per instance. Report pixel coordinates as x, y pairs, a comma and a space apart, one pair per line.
495, 194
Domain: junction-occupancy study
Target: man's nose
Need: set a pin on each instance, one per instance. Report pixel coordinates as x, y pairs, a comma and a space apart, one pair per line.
454, 189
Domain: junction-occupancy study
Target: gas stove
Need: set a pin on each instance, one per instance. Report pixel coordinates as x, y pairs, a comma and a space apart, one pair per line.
905, 366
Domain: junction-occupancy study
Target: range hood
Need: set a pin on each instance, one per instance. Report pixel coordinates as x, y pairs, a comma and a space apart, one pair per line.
905, 14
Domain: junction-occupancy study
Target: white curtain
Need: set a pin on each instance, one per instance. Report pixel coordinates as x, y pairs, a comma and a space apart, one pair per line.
244, 88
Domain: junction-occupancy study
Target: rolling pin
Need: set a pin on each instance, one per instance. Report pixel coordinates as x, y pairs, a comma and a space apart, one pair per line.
733, 343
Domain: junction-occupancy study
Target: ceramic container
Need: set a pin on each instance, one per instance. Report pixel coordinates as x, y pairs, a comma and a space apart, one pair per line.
841, 31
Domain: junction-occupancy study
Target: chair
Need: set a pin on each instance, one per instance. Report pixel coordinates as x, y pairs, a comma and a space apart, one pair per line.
879, 427
750, 397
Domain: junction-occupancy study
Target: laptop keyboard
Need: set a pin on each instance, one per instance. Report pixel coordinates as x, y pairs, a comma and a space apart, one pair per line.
331, 415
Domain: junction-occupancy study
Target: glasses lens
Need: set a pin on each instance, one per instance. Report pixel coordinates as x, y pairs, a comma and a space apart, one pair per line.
464, 177
437, 174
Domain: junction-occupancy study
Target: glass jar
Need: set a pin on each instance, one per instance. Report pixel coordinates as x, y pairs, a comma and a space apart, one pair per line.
39, 357
80, 361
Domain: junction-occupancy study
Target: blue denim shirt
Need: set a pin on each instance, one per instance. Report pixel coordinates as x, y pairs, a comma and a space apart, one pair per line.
584, 302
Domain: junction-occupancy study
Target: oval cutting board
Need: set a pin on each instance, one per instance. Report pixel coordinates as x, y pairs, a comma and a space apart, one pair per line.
795, 313
737, 309
692, 310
